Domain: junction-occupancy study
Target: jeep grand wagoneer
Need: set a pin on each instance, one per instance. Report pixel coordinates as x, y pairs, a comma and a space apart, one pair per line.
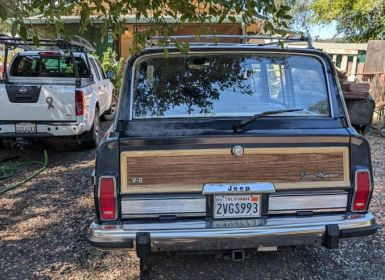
231, 146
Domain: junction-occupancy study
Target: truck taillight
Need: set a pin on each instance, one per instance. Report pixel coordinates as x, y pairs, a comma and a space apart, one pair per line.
362, 191
49, 53
107, 198
79, 102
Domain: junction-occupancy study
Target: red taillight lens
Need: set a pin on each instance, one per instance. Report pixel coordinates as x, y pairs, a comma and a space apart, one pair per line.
48, 53
79, 102
362, 191
107, 198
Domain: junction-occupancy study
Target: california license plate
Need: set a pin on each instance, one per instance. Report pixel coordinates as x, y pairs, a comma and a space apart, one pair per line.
237, 206
25, 128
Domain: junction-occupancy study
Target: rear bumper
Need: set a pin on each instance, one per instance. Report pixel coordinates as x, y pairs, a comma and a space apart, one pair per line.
44, 129
200, 235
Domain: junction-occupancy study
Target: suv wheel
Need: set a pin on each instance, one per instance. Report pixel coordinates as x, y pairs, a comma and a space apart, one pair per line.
109, 115
90, 139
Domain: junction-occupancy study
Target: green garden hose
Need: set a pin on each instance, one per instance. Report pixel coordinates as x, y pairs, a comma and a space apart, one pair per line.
9, 170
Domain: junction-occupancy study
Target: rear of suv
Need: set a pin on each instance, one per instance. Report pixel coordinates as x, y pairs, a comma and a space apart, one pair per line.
59, 91
231, 147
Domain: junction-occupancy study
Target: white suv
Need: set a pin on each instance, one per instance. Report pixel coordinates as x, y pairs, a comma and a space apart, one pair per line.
44, 95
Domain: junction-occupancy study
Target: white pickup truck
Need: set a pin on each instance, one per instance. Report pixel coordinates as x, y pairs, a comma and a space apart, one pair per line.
44, 95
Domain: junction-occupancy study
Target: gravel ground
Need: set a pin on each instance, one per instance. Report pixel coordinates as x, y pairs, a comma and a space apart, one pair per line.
42, 235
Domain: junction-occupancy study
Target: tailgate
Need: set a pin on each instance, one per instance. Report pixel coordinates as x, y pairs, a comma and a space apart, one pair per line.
289, 164
47, 102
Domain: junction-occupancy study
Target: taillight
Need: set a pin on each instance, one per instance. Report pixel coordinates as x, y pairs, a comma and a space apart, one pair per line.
362, 191
107, 198
79, 102
49, 53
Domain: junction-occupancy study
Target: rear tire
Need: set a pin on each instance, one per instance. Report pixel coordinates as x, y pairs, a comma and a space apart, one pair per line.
109, 115
91, 139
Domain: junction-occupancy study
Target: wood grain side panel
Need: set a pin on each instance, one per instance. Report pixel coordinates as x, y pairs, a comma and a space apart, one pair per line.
188, 170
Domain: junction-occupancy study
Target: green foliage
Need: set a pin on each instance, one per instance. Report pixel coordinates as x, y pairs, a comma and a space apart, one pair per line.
109, 14
111, 65
358, 20
301, 14
4, 27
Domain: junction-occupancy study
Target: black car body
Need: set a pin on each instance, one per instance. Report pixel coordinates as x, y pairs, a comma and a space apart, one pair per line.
189, 165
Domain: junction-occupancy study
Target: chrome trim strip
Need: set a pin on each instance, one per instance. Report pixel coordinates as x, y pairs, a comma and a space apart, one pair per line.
239, 188
164, 205
195, 205
205, 235
249, 51
156, 216
326, 210
308, 202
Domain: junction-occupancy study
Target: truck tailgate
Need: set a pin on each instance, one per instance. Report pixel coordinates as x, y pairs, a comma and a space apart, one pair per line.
291, 165
37, 102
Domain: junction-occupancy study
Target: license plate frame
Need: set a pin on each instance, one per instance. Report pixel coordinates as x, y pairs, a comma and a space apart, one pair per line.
234, 212
25, 128
237, 223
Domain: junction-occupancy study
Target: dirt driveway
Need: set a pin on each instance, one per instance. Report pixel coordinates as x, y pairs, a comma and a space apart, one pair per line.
42, 235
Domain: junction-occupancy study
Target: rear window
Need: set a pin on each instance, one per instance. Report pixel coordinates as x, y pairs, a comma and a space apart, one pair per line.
228, 85
40, 66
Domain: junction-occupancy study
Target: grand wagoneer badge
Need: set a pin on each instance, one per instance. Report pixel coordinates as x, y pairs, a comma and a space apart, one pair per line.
318, 175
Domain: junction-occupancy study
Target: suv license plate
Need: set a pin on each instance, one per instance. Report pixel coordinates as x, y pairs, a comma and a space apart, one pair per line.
237, 206
25, 128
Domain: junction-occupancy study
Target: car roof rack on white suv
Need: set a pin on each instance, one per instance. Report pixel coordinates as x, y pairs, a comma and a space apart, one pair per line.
77, 44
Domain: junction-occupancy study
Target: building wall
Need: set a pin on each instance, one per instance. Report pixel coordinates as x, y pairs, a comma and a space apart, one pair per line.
126, 39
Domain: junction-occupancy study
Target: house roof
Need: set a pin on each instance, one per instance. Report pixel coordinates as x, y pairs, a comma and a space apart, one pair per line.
126, 19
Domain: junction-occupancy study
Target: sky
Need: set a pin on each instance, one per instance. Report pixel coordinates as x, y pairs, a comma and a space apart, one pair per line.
323, 31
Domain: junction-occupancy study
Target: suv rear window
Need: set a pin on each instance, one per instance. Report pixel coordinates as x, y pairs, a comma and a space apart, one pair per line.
228, 85
41, 66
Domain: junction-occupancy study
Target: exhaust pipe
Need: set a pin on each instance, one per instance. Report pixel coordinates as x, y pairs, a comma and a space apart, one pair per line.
238, 255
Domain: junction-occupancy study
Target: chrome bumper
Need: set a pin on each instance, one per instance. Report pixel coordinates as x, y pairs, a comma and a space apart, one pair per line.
200, 235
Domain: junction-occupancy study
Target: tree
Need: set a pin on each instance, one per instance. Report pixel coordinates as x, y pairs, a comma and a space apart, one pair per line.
301, 12
108, 13
357, 20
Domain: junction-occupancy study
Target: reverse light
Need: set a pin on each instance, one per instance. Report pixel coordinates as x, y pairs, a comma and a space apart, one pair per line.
79, 102
362, 191
107, 198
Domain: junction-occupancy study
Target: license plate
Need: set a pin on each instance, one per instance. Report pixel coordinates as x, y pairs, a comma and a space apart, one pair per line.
237, 206
25, 128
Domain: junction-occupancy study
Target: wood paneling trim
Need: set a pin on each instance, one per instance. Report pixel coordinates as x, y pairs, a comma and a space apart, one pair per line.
172, 187
248, 151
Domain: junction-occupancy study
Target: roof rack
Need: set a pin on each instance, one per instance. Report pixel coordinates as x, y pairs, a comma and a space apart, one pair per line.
243, 39
76, 44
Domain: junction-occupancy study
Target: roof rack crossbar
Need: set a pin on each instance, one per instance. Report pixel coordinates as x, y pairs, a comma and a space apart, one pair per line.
244, 39
77, 44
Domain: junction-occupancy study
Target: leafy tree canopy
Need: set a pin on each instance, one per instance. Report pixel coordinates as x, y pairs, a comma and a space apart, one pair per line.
301, 12
108, 13
358, 20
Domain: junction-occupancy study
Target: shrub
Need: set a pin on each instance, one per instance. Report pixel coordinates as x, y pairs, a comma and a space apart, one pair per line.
111, 65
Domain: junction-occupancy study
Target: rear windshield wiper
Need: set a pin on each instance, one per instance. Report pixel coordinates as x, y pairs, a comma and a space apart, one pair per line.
237, 126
